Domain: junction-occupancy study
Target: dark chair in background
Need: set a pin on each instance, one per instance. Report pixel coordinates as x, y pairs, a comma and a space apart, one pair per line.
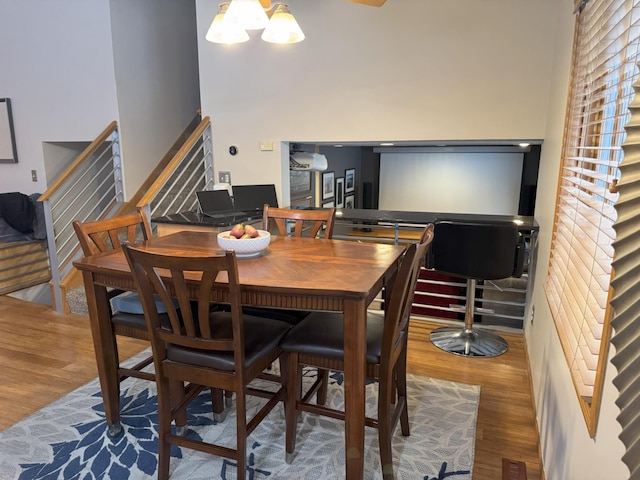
318, 341
224, 350
475, 251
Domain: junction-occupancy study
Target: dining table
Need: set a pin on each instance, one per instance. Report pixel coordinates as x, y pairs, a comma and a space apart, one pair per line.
292, 273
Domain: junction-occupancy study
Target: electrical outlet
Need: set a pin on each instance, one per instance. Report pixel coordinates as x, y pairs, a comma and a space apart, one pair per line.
532, 314
34, 176
224, 177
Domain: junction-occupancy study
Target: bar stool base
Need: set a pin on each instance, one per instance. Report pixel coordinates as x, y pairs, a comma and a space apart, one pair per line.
469, 342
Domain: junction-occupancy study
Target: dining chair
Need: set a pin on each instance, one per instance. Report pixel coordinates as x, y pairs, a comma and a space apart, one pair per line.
224, 350
108, 234
318, 341
105, 235
305, 222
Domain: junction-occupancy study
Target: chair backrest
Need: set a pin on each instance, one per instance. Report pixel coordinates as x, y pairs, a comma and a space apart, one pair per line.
477, 250
108, 234
305, 221
398, 305
179, 276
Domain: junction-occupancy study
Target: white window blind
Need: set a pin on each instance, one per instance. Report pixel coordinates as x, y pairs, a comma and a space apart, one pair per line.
578, 281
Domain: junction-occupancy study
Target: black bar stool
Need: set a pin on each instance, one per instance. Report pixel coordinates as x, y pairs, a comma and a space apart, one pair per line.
475, 251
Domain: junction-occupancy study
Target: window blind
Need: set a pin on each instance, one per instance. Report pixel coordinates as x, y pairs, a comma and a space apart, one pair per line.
626, 285
578, 281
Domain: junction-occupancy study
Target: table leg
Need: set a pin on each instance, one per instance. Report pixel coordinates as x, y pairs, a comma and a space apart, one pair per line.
355, 347
106, 351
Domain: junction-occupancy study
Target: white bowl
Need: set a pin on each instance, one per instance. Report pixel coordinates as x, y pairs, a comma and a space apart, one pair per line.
245, 247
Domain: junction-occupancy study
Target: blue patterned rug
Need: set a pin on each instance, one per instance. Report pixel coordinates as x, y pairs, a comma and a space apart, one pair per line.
68, 440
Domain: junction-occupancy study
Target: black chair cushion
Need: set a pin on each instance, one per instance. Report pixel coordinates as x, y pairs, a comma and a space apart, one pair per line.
321, 334
129, 302
261, 335
134, 320
290, 316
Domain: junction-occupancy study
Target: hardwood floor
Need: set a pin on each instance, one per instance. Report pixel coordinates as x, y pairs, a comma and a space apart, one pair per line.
45, 354
506, 426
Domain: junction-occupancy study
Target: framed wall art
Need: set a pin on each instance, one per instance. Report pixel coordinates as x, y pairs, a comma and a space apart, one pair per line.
349, 201
8, 151
350, 180
300, 182
328, 185
340, 192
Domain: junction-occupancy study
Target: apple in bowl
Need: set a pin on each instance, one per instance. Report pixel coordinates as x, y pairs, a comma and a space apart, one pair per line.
246, 240
244, 231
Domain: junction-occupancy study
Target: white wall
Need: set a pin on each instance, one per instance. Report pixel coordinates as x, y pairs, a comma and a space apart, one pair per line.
57, 68
411, 70
568, 451
69, 74
156, 69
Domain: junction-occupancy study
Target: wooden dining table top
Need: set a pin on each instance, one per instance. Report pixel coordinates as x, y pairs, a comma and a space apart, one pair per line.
295, 264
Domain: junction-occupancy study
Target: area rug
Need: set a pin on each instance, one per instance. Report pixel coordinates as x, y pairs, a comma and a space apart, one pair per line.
68, 440
77, 301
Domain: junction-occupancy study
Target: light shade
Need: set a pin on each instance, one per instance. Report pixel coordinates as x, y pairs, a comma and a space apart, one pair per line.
221, 31
282, 27
246, 14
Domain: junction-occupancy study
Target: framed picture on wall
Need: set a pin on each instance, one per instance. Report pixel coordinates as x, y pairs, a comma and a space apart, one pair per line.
340, 192
8, 151
350, 180
349, 201
300, 182
328, 185
330, 204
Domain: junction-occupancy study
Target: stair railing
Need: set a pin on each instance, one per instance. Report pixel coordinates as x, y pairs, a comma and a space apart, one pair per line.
190, 170
89, 188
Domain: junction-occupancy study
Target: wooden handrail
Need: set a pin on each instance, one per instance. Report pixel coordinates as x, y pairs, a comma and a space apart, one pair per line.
173, 164
78, 161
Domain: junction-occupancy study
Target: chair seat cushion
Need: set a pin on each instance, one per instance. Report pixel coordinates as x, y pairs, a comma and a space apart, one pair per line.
261, 336
130, 302
290, 316
322, 334
137, 321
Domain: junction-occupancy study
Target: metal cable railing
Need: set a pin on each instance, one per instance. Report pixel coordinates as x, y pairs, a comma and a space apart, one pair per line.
89, 188
190, 170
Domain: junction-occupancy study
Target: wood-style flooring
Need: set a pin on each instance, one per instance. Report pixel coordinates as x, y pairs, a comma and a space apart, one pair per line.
506, 426
45, 355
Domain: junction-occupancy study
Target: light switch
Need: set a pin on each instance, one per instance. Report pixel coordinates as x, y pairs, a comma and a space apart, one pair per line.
34, 176
224, 177
266, 146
